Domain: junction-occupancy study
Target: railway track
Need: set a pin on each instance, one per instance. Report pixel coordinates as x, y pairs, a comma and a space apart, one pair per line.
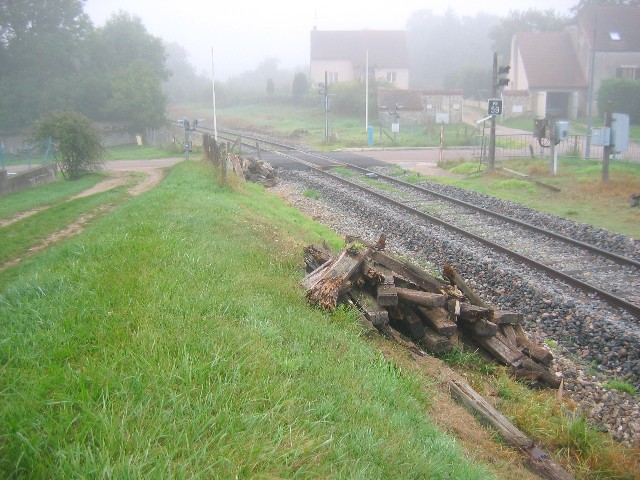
610, 276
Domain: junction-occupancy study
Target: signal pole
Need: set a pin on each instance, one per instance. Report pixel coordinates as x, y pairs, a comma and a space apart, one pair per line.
492, 134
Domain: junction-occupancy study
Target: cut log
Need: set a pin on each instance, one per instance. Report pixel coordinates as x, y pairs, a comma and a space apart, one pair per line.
459, 282
472, 313
424, 299
325, 291
375, 313
436, 343
411, 272
502, 316
539, 460
439, 320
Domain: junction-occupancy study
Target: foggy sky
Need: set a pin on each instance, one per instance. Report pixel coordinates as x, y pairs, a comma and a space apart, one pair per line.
243, 33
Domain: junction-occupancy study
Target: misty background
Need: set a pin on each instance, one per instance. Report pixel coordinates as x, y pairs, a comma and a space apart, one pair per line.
112, 64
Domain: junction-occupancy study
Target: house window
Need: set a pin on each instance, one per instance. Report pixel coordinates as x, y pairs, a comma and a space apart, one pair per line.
628, 72
615, 36
332, 77
391, 77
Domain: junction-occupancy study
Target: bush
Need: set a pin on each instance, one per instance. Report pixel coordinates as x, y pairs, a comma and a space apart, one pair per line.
624, 96
78, 145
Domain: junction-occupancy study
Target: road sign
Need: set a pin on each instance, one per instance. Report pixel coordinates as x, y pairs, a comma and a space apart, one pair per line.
495, 107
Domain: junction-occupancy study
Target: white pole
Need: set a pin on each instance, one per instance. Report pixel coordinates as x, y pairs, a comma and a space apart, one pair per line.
366, 95
213, 83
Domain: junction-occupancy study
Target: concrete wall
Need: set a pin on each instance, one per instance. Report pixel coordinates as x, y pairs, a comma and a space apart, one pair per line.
30, 178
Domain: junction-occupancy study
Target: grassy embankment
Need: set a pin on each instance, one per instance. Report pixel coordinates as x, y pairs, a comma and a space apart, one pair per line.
144, 345
170, 339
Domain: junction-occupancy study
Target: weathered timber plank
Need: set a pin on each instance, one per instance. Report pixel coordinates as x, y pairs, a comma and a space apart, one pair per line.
525, 364
480, 328
325, 291
439, 320
314, 277
436, 343
450, 272
387, 295
509, 335
408, 320
315, 256
375, 313
424, 299
499, 350
502, 316
530, 349
411, 272
540, 461
472, 313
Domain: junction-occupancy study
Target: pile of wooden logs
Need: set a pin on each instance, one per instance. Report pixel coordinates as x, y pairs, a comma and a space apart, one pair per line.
435, 313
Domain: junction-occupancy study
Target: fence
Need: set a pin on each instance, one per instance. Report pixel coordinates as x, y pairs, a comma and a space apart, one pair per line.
524, 145
25, 157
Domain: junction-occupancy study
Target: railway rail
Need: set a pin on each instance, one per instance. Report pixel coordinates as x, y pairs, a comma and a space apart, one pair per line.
609, 276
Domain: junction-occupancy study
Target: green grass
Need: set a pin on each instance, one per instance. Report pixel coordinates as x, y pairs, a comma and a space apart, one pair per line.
582, 197
135, 152
345, 131
310, 193
621, 386
171, 340
49, 194
19, 237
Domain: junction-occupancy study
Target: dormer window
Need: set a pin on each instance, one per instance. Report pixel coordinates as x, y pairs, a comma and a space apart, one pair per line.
615, 36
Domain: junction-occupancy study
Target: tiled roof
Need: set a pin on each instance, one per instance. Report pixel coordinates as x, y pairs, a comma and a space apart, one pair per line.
387, 48
549, 60
617, 28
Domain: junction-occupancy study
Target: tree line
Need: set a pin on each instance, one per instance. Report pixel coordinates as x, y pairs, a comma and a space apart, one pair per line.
53, 58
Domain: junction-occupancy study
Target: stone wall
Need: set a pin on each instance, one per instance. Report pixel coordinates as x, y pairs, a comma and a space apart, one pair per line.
19, 181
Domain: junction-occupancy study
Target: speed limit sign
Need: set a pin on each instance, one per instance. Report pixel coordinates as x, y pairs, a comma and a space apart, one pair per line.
495, 107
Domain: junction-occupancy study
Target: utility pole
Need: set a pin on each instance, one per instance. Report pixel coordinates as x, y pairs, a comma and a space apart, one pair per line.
606, 151
326, 107
492, 134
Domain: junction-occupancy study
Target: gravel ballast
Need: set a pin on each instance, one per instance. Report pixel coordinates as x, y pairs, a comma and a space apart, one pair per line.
593, 340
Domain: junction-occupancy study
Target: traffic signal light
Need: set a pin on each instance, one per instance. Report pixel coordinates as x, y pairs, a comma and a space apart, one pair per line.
503, 81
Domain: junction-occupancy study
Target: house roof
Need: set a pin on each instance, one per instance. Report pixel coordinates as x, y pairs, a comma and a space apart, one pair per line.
549, 60
387, 48
409, 99
616, 28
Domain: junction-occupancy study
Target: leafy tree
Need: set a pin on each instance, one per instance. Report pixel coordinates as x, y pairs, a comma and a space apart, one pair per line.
78, 145
184, 84
42, 58
532, 20
473, 80
624, 96
582, 4
271, 88
439, 45
135, 62
300, 85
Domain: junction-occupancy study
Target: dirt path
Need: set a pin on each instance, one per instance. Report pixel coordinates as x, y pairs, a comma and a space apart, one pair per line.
122, 173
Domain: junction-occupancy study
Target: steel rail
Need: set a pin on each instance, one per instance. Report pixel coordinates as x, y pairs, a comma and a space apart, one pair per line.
586, 287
